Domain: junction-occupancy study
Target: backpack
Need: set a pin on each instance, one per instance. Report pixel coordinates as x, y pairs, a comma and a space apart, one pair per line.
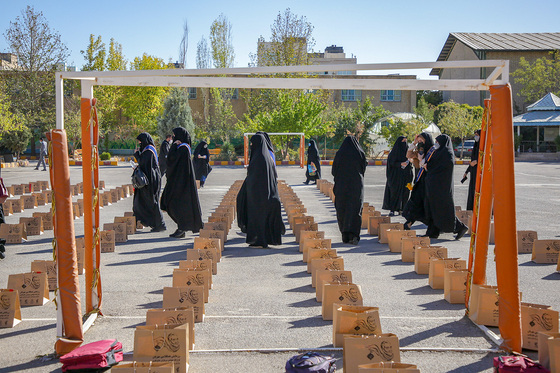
93, 357
311, 362
517, 363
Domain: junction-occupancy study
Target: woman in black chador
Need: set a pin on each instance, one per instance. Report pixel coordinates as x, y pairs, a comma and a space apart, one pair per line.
313, 161
348, 169
146, 200
201, 157
418, 151
399, 173
180, 197
439, 204
259, 212
473, 170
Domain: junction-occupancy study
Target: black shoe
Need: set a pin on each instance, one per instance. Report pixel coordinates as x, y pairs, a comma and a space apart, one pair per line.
37, 168
355, 240
159, 229
406, 227
306, 182
461, 232
392, 213
178, 234
44, 169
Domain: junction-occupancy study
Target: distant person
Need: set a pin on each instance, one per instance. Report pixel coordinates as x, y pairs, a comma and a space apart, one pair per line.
43, 152
201, 159
145, 205
473, 170
313, 171
399, 174
349, 166
259, 212
439, 203
180, 197
163, 152
418, 152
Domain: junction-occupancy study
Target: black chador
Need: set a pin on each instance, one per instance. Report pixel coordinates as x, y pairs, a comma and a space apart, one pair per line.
163, 151
259, 212
313, 162
414, 208
439, 204
201, 159
180, 197
146, 200
348, 169
473, 170
398, 176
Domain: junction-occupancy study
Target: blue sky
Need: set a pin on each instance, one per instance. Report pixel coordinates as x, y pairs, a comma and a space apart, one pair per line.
374, 31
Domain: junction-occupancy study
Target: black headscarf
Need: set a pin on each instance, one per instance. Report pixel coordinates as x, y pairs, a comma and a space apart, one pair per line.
201, 166
258, 204
313, 156
145, 139
181, 134
145, 205
396, 192
439, 203
348, 169
180, 196
428, 142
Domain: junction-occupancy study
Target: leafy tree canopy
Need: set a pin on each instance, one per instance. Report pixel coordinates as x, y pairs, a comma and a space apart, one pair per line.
539, 78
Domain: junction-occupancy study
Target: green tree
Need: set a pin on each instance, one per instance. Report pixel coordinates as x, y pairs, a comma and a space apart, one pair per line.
17, 139
40, 51
458, 121
142, 105
220, 123
299, 112
176, 113
8, 120
539, 78
424, 111
359, 121
94, 54
398, 127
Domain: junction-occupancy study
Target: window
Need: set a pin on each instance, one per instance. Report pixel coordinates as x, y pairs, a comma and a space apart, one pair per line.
192, 93
347, 72
390, 95
230, 94
351, 95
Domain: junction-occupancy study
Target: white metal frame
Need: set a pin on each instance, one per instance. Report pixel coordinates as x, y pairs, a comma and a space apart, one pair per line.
248, 78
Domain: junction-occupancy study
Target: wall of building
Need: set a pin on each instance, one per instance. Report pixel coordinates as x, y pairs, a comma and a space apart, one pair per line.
461, 52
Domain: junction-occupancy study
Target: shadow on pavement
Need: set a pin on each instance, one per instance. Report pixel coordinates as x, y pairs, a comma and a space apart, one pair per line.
301, 289
36, 363
455, 329
442, 304
310, 322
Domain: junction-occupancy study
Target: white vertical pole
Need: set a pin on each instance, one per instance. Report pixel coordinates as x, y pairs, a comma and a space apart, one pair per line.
59, 101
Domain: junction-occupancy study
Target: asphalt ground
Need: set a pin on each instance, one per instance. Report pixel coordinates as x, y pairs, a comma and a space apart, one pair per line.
262, 308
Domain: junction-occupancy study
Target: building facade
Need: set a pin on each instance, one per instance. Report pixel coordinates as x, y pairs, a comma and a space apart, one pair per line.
492, 46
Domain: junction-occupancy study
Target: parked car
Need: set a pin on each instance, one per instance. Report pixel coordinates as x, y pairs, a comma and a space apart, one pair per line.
466, 146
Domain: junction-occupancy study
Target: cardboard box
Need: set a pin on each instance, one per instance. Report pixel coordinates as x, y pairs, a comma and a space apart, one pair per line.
388, 367
422, 256
357, 320
33, 226
187, 278
525, 240
48, 267
172, 316
366, 349
119, 229
374, 221
384, 227
484, 305
329, 263
315, 235
32, 287
408, 245
339, 293
13, 233
437, 267
455, 285
324, 276
192, 296
395, 236
163, 343
545, 251
537, 318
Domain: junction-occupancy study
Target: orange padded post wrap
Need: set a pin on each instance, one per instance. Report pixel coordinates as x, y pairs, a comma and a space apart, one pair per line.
482, 210
302, 151
246, 150
66, 256
505, 216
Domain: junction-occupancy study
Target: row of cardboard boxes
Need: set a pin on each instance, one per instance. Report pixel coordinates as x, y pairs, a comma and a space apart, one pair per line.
42, 221
356, 328
32, 289
450, 274
164, 342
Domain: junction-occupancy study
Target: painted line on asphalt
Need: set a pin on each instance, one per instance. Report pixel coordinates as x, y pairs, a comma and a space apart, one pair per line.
260, 317
339, 349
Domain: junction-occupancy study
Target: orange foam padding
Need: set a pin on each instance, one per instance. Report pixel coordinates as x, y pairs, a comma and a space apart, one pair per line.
482, 210
503, 154
67, 260
246, 149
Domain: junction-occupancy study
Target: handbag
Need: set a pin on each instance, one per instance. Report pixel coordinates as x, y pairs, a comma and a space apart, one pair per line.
312, 169
3, 192
93, 357
517, 363
311, 362
139, 179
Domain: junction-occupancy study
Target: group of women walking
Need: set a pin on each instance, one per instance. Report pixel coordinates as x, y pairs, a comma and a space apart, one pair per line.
419, 186
180, 196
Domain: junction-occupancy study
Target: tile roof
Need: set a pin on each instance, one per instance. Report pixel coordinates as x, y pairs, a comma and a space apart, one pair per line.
546, 41
544, 112
548, 102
